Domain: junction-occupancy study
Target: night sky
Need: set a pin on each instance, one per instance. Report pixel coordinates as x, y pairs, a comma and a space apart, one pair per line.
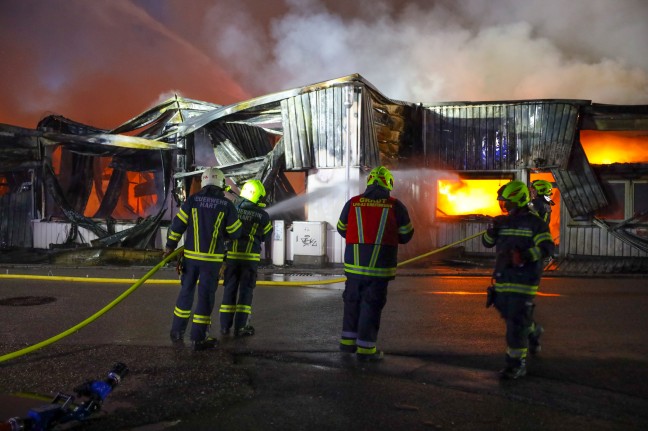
102, 62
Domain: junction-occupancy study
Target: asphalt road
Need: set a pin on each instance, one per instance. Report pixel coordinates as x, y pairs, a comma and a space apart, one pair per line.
443, 350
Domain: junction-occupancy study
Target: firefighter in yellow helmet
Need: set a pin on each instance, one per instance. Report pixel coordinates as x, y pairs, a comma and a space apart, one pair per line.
208, 218
541, 202
373, 224
521, 240
242, 262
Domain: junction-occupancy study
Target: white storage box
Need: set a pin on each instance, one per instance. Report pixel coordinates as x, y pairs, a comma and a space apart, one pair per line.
309, 238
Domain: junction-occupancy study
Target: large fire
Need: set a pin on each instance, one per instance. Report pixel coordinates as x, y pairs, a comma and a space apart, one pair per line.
459, 197
603, 148
138, 199
464, 197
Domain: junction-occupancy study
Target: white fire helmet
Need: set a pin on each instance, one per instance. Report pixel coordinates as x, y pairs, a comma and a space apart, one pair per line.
213, 177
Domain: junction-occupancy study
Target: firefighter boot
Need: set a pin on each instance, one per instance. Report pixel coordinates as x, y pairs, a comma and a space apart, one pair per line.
348, 348
368, 354
177, 338
377, 356
207, 343
534, 339
246, 331
515, 368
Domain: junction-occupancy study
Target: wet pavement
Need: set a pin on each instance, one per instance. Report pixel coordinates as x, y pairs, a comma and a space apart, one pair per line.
443, 349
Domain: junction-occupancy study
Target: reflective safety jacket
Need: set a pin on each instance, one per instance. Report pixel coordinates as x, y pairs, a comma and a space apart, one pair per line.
521, 240
542, 207
373, 225
256, 229
208, 218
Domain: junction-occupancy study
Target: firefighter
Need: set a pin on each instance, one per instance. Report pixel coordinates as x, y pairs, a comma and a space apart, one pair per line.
208, 218
373, 224
541, 202
521, 239
242, 261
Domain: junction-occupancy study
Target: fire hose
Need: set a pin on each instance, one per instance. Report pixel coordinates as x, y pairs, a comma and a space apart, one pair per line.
95, 316
150, 273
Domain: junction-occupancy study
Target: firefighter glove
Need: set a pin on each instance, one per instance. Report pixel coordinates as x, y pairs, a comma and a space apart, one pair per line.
180, 263
167, 251
490, 296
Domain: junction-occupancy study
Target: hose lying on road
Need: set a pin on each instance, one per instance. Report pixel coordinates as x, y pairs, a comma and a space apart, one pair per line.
95, 316
148, 275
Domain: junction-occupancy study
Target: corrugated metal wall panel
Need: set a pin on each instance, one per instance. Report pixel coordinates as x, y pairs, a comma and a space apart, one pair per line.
15, 215
314, 121
369, 152
245, 142
449, 232
500, 136
322, 153
315, 129
579, 187
591, 240
336, 114
297, 154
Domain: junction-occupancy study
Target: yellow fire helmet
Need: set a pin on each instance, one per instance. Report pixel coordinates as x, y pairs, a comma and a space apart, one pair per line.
381, 176
543, 187
516, 193
253, 191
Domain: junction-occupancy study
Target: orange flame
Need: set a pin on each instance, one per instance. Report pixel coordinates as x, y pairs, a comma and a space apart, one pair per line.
554, 223
604, 148
464, 197
4, 186
460, 197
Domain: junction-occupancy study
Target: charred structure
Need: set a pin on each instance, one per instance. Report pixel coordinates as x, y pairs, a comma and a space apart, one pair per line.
65, 184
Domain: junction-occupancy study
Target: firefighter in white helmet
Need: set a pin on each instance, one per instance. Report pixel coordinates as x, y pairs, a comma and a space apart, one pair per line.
208, 218
242, 262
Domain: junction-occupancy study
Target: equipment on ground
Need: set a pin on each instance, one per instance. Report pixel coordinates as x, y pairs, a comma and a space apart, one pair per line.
63, 408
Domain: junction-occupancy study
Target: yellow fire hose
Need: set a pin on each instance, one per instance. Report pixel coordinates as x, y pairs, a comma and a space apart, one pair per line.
148, 275
95, 316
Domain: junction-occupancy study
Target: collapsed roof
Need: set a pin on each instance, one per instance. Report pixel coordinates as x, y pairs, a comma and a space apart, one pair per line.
308, 127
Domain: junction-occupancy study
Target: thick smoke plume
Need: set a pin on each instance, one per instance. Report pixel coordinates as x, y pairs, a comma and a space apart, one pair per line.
448, 50
102, 63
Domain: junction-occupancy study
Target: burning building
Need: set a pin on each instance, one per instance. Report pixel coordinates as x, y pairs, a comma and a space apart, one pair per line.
312, 147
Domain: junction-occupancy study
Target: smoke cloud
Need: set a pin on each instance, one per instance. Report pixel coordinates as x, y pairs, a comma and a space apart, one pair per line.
453, 50
103, 63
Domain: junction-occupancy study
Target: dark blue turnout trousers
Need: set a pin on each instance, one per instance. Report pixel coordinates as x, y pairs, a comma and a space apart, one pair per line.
205, 275
239, 281
363, 304
517, 311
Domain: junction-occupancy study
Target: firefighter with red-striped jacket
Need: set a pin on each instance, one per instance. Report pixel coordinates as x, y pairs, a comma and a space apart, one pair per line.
242, 261
373, 224
521, 240
208, 218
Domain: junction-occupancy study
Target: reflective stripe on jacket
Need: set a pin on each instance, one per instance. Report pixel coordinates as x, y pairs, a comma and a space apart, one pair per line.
372, 221
256, 229
523, 232
373, 225
207, 218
